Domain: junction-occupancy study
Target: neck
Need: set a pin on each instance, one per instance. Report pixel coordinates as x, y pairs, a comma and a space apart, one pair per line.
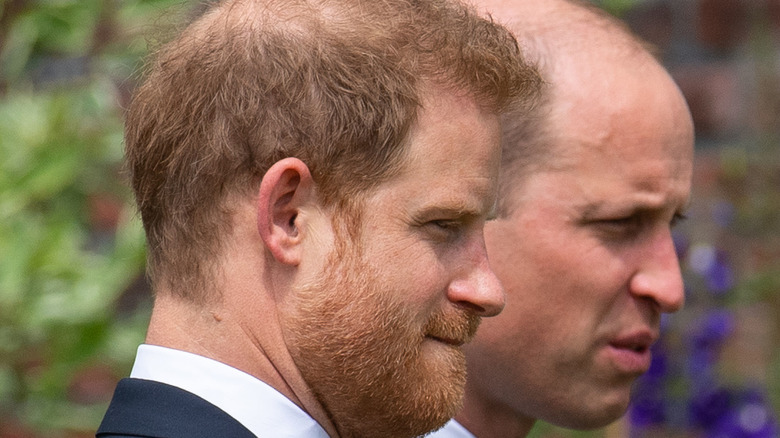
487, 418
217, 332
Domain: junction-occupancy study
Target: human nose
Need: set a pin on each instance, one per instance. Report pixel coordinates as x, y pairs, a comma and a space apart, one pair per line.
658, 276
477, 287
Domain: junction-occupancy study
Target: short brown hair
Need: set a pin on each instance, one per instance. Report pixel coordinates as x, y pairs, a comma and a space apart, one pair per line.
335, 83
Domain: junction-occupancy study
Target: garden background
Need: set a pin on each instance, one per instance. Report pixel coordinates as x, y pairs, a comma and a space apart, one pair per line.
74, 302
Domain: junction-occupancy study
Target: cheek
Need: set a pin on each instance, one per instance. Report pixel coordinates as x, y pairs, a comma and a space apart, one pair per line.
528, 264
416, 278
557, 289
566, 263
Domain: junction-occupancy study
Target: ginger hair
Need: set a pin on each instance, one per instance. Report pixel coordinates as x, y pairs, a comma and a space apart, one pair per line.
335, 83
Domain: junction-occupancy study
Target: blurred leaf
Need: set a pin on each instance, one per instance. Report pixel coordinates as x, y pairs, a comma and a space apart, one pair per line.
617, 7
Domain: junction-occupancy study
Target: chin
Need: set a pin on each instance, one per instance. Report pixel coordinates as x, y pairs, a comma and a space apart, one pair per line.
598, 420
593, 416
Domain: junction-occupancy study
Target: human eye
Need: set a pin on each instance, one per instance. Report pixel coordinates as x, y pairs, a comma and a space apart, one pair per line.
444, 228
619, 227
446, 224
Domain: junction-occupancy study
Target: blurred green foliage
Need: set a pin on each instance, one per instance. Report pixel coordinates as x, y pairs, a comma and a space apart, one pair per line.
70, 242
616, 7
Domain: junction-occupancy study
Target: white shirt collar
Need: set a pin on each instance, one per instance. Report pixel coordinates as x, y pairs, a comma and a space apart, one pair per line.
253, 403
452, 429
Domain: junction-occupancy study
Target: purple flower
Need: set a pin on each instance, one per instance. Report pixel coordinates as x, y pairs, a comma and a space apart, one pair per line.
706, 340
648, 404
749, 416
647, 410
709, 406
658, 366
701, 367
713, 330
720, 276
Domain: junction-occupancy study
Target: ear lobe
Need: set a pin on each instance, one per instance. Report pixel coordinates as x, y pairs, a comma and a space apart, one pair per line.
285, 188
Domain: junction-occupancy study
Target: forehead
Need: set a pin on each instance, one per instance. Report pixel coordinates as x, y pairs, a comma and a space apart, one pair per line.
623, 127
621, 109
453, 155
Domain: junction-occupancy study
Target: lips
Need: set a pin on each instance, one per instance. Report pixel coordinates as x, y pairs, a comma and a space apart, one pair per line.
630, 353
637, 342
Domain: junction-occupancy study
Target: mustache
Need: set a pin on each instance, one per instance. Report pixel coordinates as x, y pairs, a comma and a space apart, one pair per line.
456, 327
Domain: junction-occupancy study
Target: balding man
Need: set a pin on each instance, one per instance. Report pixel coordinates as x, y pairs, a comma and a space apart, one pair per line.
589, 191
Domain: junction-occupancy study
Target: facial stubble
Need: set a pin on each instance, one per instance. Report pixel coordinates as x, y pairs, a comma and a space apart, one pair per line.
363, 352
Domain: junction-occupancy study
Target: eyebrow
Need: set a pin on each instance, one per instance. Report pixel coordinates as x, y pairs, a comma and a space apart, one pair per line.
456, 211
632, 206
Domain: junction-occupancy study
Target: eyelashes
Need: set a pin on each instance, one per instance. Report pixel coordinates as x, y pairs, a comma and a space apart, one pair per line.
630, 226
444, 229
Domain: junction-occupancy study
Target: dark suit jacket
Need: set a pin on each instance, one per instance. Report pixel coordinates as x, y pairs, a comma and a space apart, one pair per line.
143, 408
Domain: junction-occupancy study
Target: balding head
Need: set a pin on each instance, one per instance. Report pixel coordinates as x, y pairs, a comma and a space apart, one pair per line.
576, 46
589, 189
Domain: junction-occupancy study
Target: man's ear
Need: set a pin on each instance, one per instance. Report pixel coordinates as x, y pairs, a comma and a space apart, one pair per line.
284, 190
